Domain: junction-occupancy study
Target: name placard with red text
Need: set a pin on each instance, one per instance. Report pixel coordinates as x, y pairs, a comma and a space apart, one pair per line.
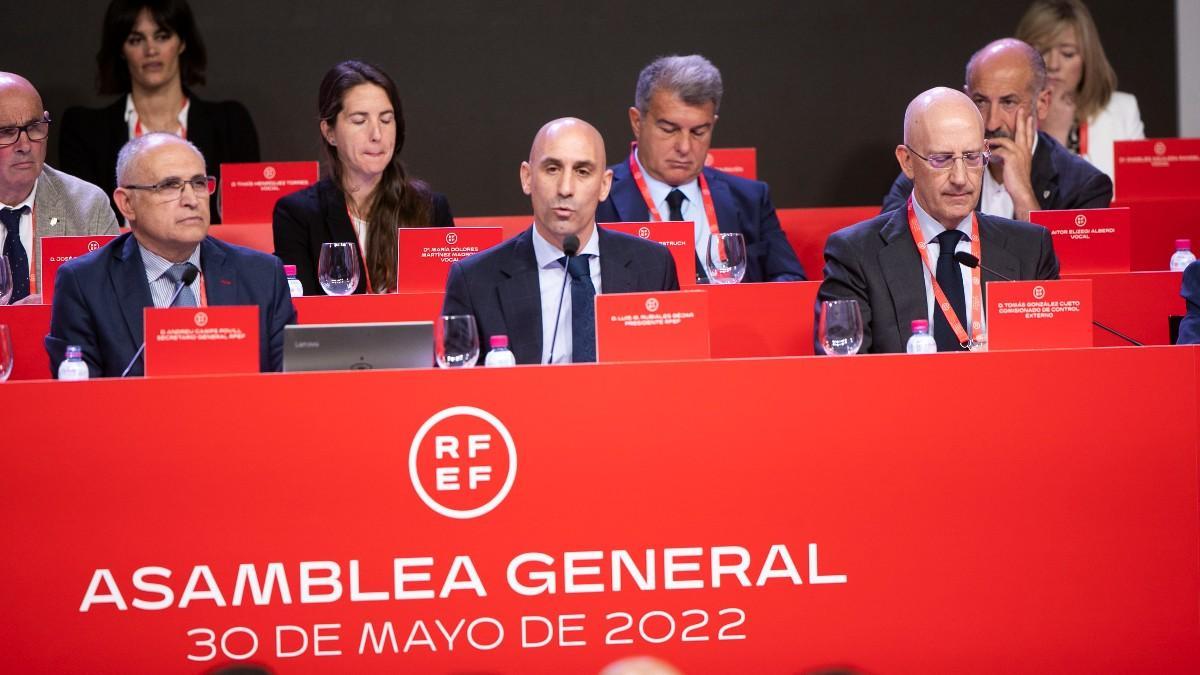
201, 340
737, 161
426, 253
1088, 240
58, 250
249, 191
666, 326
1039, 314
1157, 168
678, 236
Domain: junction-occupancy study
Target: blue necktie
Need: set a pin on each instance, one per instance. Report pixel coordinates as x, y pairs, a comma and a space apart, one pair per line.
186, 297
949, 277
14, 250
583, 310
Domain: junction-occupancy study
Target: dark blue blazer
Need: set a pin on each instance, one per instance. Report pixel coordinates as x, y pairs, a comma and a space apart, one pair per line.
742, 206
99, 298
1189, 328
1061, 180
501, 289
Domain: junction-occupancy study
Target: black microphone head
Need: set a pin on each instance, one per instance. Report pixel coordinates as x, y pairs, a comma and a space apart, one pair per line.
964, 258
189, 275
571, 245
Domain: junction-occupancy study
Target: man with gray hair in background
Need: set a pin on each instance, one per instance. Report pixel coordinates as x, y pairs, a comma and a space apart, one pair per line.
166, 259
664, 178
1028, 170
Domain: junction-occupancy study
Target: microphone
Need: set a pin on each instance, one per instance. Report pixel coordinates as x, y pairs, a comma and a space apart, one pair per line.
570, 247
189, 275
968, 260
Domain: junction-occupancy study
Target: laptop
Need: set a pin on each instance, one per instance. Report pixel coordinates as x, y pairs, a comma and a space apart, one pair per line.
357, 346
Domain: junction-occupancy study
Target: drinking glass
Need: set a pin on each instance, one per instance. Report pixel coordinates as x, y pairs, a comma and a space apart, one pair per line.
338, 269
725, 259
6, 281
6, 353
456, 341
840, 327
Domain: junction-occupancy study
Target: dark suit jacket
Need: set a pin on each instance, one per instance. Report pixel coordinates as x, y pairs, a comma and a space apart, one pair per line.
1061, 180
90, 138
501, 289
99, 298
1189, 328
742, 206
315, 215
876, 263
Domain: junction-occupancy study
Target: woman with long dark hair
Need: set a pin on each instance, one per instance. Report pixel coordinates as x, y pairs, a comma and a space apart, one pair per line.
151, 57
366, 194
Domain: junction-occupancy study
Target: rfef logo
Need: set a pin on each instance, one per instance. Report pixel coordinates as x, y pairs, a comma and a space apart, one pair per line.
1080, 220
644, 232
1039, 292
269, 172
651, 304
1160, 148
462, 462
93, 245
451, 238
201, 319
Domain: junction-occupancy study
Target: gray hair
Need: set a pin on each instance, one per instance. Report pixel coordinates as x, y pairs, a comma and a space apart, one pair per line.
1036, 63
127, 158
692, 78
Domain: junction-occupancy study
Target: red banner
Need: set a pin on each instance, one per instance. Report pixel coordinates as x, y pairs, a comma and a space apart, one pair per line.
737, 161
1088, 240
249, 191
664, 326
679, 236
58, 250
458, 531
1157, 168
201, 340
1039, 314
425, 254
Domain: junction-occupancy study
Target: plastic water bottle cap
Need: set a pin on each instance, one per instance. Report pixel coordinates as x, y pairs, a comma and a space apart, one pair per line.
289, 270
920, 326
74, 352
1182, 244
498, 341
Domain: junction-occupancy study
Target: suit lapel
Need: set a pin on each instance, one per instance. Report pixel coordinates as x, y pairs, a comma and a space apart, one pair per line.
49, 218
723, 204
993, 249
625, 196
617, 274
220, 277
903, 270
128, 277
521, 300
1043, 175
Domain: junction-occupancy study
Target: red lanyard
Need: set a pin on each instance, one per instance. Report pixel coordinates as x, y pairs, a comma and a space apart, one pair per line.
939, 295
705, 194
362, 254
1083, 137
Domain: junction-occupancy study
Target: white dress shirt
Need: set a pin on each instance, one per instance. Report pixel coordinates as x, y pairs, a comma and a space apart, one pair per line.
162, 287
930, 229
26, 228
551, 273
692, 207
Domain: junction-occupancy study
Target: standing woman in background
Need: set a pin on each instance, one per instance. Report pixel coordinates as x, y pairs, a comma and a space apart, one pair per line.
151, 55
367, 194
1087, 113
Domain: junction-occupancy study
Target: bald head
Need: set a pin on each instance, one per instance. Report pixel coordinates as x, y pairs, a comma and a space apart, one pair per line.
931, 111
567, 127
131, 161
566, 179
21, 160
1008, 57
12, 84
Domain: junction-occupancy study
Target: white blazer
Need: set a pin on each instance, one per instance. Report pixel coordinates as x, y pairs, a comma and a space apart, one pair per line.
1119, 121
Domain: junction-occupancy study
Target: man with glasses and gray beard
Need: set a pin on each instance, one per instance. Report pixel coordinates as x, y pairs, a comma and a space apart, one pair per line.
1029, 170
901, 266
166, 260
36, 200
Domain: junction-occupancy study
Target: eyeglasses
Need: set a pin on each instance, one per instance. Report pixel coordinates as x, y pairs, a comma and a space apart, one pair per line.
34, 131
942, 161
171, 189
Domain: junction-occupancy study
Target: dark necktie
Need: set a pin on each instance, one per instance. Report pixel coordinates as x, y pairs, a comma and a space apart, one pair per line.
949, 277
186, 297
583, 310
675, 200
14, 250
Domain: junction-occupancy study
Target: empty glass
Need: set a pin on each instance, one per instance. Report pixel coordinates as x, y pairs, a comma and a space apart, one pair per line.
6, 281
338, 269
725, 260
456, 341
840, 327
6, 353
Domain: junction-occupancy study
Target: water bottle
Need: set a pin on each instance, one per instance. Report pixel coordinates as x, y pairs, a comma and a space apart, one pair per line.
499, 355
1183, 255
294, 286
921, 341
73, 368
